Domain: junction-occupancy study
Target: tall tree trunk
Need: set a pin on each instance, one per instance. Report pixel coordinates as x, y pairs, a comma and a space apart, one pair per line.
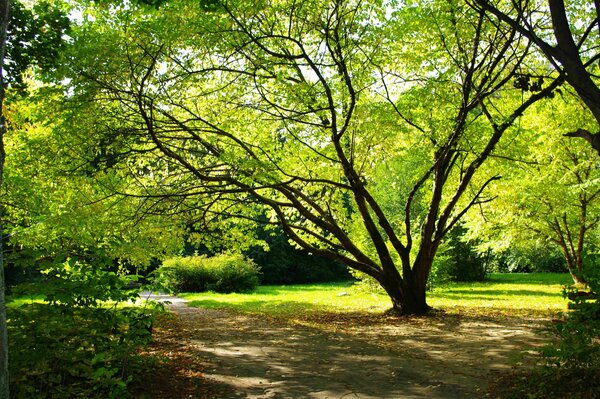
4, 380
567, 53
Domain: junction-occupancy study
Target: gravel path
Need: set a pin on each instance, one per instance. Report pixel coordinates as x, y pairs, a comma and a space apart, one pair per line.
438, 357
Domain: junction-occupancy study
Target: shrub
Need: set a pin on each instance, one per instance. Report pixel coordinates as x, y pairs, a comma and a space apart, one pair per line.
223, 273
579, 332
527, 260
458, 260
75, 344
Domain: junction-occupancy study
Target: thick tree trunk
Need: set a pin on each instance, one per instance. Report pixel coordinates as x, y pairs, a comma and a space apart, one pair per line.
567, 53
408, 297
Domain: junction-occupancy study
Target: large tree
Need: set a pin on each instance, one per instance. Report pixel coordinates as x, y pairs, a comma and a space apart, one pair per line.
568, 36
359, 127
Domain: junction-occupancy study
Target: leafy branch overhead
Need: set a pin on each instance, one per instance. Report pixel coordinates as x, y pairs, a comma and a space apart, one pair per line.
570, 46
299, 110
35, 39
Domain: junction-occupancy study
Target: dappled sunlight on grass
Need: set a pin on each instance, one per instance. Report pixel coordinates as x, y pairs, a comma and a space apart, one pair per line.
18, 301
509, 294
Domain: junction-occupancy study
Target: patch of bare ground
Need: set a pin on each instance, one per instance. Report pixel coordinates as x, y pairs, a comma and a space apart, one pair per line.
220, 354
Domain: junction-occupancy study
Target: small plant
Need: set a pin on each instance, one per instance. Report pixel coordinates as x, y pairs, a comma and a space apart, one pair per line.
223, 273
81, 342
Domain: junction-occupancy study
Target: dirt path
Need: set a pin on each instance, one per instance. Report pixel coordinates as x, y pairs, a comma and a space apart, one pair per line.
439, 357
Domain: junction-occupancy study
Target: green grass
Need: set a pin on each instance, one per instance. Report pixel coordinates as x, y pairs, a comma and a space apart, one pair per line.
533, 293
511, 294
17, 301
281, 300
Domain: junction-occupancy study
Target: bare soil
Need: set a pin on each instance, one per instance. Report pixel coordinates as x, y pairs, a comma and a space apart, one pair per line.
221, 354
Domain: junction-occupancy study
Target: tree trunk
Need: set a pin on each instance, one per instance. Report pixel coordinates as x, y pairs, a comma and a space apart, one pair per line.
4, 380
567, 53
408, 297
574, 266
577, 279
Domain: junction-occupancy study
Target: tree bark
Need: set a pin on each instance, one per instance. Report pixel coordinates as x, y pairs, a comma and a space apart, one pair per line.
4, 378
407, 293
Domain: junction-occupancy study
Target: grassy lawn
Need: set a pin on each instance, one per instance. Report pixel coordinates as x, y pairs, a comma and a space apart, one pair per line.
17, 301
511, 294
533, 293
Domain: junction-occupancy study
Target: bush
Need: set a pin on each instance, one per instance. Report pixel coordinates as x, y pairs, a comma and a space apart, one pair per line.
75, 344
528, 260
458, 260
579, 332
223, 273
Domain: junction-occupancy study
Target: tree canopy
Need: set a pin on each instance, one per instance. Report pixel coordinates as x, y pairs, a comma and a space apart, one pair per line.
359, 128
362, 130
378, 135
549, 195
567, 36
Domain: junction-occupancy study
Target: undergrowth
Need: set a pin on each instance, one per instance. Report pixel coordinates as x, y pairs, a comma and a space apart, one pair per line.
81, 340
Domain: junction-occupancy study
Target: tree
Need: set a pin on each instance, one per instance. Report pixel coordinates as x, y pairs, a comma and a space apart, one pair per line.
59, 211
311, 110
571, 46
16, 56
551, 196
570, 227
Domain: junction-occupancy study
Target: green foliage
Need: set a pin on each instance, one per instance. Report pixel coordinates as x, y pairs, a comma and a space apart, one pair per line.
80, 285
579, 333
283, 263
458, 260
548, 202
355, 125
35, 37
81, 342
223, 273
531, 259
55, 211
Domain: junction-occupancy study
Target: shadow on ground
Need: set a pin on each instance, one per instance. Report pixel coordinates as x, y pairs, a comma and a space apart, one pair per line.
437, 357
